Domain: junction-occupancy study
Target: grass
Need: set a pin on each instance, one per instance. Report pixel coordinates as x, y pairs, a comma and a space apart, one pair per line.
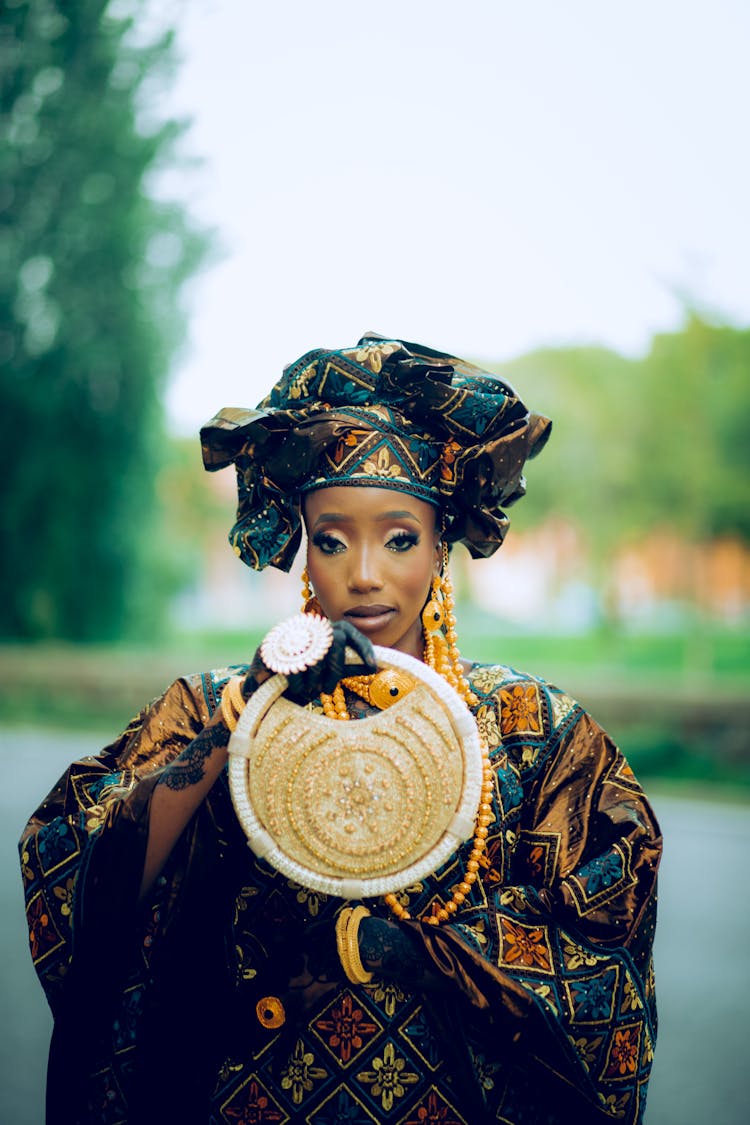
678, 703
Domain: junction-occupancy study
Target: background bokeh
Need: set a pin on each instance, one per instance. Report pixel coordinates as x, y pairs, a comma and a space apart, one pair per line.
193, 194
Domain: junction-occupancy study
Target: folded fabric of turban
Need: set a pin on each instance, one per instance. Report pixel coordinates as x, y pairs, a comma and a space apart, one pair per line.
387, 413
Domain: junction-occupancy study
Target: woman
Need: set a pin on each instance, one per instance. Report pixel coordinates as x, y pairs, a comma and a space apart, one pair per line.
191, 981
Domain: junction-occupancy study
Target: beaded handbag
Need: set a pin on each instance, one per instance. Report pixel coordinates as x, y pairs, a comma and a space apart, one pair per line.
363, 808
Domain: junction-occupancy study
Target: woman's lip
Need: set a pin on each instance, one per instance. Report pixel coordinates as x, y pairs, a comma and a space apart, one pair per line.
368, 610
369, 618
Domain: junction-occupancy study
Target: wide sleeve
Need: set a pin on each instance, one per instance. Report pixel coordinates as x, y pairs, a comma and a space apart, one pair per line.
82, 851
550, 959
136, 987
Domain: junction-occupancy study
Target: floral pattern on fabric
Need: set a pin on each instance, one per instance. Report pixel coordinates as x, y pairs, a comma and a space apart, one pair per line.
345, 1028
520, 710
525, 945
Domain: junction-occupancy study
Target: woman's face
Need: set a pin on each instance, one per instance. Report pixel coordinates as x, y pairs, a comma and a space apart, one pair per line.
371, 556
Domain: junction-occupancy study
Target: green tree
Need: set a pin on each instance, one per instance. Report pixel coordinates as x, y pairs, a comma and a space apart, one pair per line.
91, 267
694, 432
643, 443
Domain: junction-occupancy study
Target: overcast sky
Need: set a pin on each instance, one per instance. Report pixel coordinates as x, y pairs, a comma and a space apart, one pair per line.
486, 177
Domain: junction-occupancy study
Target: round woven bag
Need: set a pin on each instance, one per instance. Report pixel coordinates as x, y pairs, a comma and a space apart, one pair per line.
363, 808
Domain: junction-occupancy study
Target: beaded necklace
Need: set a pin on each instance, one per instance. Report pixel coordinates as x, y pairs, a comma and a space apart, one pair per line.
383, 689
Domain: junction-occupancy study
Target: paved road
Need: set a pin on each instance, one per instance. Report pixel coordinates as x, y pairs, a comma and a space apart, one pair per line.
701, 1075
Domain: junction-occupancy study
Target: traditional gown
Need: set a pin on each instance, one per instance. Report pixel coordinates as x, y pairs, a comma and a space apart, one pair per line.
537, 1004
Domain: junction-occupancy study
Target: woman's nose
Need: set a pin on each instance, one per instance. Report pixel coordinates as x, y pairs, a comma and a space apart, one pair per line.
363, 574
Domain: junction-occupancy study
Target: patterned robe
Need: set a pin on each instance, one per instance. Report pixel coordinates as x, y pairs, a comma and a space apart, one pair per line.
543, 1009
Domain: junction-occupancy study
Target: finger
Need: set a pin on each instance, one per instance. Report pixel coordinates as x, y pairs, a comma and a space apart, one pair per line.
303, 686
334, 664
359, 669
359, 642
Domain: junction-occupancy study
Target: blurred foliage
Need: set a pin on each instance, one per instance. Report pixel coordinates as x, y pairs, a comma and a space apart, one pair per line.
643, 444
195, 516
90, 272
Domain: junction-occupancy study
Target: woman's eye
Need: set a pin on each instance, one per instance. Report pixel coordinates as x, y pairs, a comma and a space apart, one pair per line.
403, 541
328, 544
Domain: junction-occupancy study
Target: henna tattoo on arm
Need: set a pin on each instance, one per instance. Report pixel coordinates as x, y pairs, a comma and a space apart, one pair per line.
188, 769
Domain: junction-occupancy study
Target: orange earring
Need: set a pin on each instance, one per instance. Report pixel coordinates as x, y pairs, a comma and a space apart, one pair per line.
310, 603
441, 648
432, 614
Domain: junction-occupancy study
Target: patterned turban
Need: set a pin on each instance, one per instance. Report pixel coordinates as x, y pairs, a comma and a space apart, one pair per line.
385, 413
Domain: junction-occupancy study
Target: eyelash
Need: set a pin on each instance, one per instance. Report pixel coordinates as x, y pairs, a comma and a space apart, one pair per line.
328, 544
403, 541
400, 543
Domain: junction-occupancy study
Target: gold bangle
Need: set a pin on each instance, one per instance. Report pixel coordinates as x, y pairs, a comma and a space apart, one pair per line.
234, 687
233, 702
347, 944
227, 711
359, 972
341, 924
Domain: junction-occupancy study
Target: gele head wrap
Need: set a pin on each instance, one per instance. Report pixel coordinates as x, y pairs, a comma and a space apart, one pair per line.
385, 413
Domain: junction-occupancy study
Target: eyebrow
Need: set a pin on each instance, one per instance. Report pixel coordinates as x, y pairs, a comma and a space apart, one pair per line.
339, 517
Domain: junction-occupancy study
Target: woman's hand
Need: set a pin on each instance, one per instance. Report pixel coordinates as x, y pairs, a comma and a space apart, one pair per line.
326, 672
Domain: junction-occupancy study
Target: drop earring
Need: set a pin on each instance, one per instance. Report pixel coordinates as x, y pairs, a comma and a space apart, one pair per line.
440, 648
310, 603
433, 617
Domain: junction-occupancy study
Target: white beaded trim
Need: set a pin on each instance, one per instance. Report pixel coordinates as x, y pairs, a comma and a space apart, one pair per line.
460, 829
297, 643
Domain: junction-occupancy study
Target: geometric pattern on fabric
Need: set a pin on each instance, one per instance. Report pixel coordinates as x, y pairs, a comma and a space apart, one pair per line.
379, 457
346, 1027
389, 1075
592, 996
56, 848
251, 1101
302, 1077
126, 1025
376, 1052
418, 1031
525, 946
562, 705
602, 878
44, 936
521, 710
540, 852
435, 1107
621, 775
623, 1055
341, 1107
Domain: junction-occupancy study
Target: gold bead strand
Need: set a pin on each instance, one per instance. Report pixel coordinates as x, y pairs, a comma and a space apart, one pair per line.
306, 587
334, 706
481, 832
396, 908
454, 656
